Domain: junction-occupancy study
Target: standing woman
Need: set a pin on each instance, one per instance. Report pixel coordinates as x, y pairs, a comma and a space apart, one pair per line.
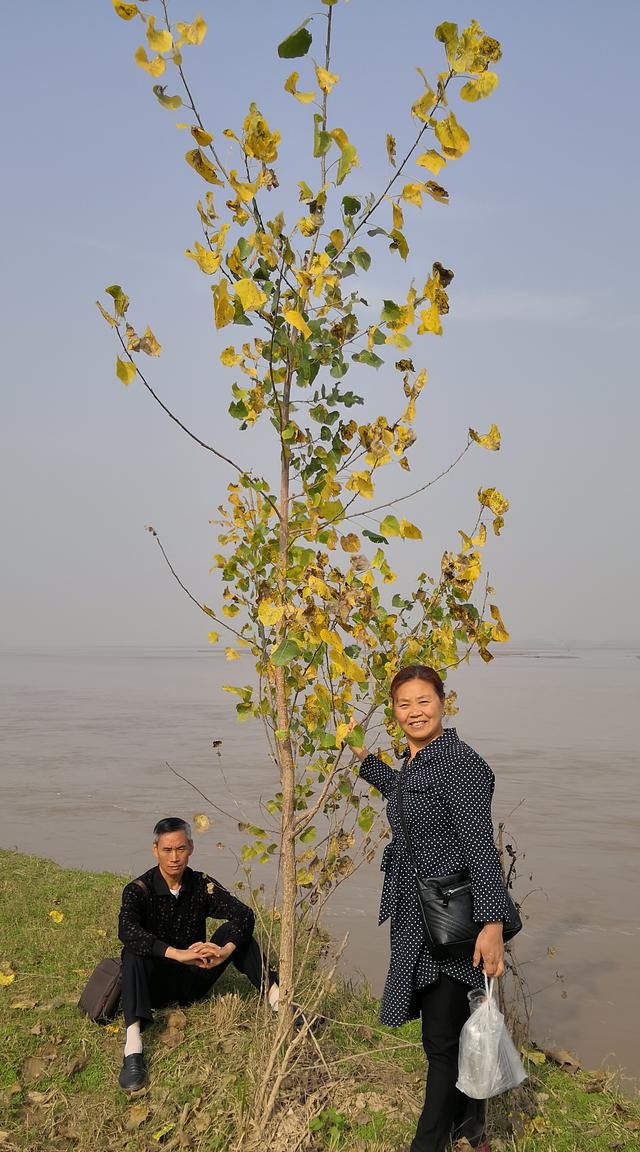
446, 791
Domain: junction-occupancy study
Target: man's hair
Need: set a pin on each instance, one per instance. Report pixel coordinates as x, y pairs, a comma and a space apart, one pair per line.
171, 824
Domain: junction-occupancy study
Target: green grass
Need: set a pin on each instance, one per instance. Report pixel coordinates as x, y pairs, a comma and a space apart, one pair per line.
358, 1086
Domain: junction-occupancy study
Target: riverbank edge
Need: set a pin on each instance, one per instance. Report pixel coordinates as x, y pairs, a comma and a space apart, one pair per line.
358, 1087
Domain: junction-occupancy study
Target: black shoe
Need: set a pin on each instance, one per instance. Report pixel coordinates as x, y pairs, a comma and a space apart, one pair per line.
133, 1074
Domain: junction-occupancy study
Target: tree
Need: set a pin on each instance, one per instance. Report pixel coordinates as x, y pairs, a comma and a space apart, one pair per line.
306, 563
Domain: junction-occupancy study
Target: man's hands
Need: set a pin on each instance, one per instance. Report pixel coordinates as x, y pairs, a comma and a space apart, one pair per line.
490, 949
201, 955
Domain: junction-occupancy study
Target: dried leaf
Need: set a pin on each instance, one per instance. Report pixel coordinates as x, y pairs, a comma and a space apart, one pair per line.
565, 1059
23, 1004
200, 822
40, 1098
75, 1065
34, 1068
136, 1116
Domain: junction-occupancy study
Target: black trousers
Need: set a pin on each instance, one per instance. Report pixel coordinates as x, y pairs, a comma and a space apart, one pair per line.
447, 1112
150, 982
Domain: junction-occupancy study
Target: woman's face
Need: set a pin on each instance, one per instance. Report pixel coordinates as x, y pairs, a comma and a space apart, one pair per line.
419, 711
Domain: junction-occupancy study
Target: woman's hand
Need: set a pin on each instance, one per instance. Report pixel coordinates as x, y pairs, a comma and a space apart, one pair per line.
490, 949
360, 753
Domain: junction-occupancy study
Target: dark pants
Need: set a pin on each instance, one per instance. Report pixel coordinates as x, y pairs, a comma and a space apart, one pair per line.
150, 982
446, 1111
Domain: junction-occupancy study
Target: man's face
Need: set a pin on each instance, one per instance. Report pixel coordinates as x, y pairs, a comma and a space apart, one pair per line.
172, 852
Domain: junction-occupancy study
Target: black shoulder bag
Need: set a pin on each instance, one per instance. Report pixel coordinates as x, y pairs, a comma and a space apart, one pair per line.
101, 995
446, 907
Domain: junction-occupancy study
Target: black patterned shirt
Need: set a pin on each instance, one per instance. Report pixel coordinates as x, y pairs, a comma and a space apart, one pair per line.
447, 790
153, 920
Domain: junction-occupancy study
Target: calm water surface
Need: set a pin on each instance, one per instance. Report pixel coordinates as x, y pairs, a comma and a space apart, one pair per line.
85, 737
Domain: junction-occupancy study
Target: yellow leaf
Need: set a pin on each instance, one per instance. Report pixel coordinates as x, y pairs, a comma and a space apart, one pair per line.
391, 149
6, 978
493, 499
155, 66
454, 141
230, 357
409, 531
326, 80
350, 542
361, 483
491, 440
125, 11
159, 40
498, 524
431, 160
213, 637
483, 86
125, 370
231, 654
307, 225
207, 261
270, 613
113, 1029
110, 319
412, 193
146, 343
201, 822
297, 320
223, 309
259, 141
345, 664
430, 321
398, 216
56, 916
200, 136
422, 107
342, 731
337, 238
290, 85
191, 33
249, 294
198, 161
498, 630
437, 191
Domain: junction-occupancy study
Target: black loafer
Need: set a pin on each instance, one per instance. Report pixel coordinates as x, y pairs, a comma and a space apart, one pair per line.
133, 1074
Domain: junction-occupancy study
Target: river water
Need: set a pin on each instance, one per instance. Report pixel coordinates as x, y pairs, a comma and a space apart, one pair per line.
86, 735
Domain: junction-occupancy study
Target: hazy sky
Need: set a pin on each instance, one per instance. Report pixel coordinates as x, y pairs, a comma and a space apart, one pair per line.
542, 232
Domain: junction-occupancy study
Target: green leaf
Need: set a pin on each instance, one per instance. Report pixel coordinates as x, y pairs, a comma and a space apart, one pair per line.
362, 258
390, 312
350, 206
326, 740
366, 819
374, 536
308, 835
297, 43
120, 299
322, 141
367, 357
355, 739
284, 653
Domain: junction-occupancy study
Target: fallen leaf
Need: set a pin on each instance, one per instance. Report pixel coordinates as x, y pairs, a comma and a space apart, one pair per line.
136, 1116
37, 1029
23, 1004
171, 1037
6, 978
75, 1065
41, 1097
113, 1029
176, 1019
68, 1132
56, 916
563, 1058
101, 932
201, 1121
162, 1132
34, 1068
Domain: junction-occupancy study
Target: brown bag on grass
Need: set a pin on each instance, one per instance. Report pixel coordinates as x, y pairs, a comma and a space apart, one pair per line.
101, 996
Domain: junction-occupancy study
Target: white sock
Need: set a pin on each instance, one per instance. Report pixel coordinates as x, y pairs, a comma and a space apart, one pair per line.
273, 996
133, 1043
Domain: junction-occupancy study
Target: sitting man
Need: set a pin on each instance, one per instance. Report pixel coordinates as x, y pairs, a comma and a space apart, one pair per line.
163, 922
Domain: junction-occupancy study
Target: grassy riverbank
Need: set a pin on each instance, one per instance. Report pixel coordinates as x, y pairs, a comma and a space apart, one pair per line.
358, 1086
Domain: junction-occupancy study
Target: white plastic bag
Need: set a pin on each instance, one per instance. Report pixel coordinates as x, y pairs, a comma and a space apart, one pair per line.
488, 1062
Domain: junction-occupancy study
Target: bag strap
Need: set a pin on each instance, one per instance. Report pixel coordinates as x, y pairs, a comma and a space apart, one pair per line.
403, 824
141, 884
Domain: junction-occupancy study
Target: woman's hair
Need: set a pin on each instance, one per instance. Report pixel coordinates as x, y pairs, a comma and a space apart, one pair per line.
417, 672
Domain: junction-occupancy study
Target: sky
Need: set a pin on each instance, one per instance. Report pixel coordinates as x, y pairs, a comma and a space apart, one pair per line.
542, 337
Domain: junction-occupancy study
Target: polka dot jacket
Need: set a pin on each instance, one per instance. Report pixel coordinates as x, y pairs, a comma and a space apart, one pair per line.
447, 790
